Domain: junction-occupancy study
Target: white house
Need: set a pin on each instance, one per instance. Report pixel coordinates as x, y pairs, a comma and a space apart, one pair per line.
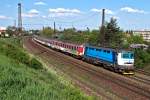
144, 33
2, 29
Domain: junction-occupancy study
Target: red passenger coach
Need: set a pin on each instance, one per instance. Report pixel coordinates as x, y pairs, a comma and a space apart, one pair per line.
73, 49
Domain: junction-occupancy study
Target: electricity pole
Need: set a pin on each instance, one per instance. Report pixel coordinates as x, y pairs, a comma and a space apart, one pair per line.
54, 28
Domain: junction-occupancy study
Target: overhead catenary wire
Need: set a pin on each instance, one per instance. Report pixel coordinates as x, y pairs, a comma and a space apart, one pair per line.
62, 23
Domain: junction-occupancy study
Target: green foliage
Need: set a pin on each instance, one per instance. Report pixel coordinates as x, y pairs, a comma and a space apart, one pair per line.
142, 58
71, 35
13, 41
18, 55
93, 37
70, 31
128, 40
35, 64
113, 35
47, 31
135, 39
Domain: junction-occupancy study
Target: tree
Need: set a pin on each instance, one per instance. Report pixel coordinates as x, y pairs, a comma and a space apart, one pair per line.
47, 31
11, 30
70, 31
135, 39
113, 35
94, 37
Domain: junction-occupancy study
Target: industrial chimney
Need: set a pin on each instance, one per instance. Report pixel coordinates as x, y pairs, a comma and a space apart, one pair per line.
103, 17
19, 19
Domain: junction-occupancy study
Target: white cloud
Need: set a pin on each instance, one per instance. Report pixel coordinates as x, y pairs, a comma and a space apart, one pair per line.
4, 17
107, 11
116, 17
2, 28
44, 16
31, 13
63, 12
132, 10
28, 15
39, 3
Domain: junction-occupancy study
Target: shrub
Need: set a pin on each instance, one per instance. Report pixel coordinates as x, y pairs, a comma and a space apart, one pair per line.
35, 64
139, 63
23, 58
19, 55
141, 58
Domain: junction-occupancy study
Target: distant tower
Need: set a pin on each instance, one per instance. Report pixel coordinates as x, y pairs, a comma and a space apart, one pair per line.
19, 19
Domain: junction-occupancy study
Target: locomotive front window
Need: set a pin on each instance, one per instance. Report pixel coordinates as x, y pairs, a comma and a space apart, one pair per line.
132, 55
125, 55
128, 55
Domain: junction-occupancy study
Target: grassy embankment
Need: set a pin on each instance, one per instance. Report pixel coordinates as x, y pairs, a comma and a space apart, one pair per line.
24, 78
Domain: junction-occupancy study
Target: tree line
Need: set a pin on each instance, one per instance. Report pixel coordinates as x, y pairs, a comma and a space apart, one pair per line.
110, 35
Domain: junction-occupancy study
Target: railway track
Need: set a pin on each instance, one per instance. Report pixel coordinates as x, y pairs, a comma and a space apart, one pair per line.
141, 79
143, 72
99, 75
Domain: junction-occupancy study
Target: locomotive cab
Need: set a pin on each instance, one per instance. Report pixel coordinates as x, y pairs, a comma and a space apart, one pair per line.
125, 61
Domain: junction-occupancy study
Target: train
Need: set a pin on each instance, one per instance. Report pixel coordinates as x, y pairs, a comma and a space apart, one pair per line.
120, 61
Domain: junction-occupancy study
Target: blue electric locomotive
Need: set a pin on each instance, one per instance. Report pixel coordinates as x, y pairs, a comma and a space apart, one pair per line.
117, 60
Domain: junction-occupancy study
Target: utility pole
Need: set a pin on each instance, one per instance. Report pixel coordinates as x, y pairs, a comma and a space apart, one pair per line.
14, 23
102, 29
54, 28
19, 19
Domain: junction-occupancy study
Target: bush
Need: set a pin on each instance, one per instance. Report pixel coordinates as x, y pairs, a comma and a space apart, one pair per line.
141, 58
16, 54
35, 64
23, 58
139, 63
19, 55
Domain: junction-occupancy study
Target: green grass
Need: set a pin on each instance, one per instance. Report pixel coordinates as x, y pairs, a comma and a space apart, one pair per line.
14, 41
18, 81
21, 82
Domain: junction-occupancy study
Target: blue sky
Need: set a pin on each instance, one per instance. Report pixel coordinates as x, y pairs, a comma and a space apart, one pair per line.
130, 14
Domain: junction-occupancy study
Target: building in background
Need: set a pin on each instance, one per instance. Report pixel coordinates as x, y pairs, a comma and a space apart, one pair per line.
144, 33
2, 31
